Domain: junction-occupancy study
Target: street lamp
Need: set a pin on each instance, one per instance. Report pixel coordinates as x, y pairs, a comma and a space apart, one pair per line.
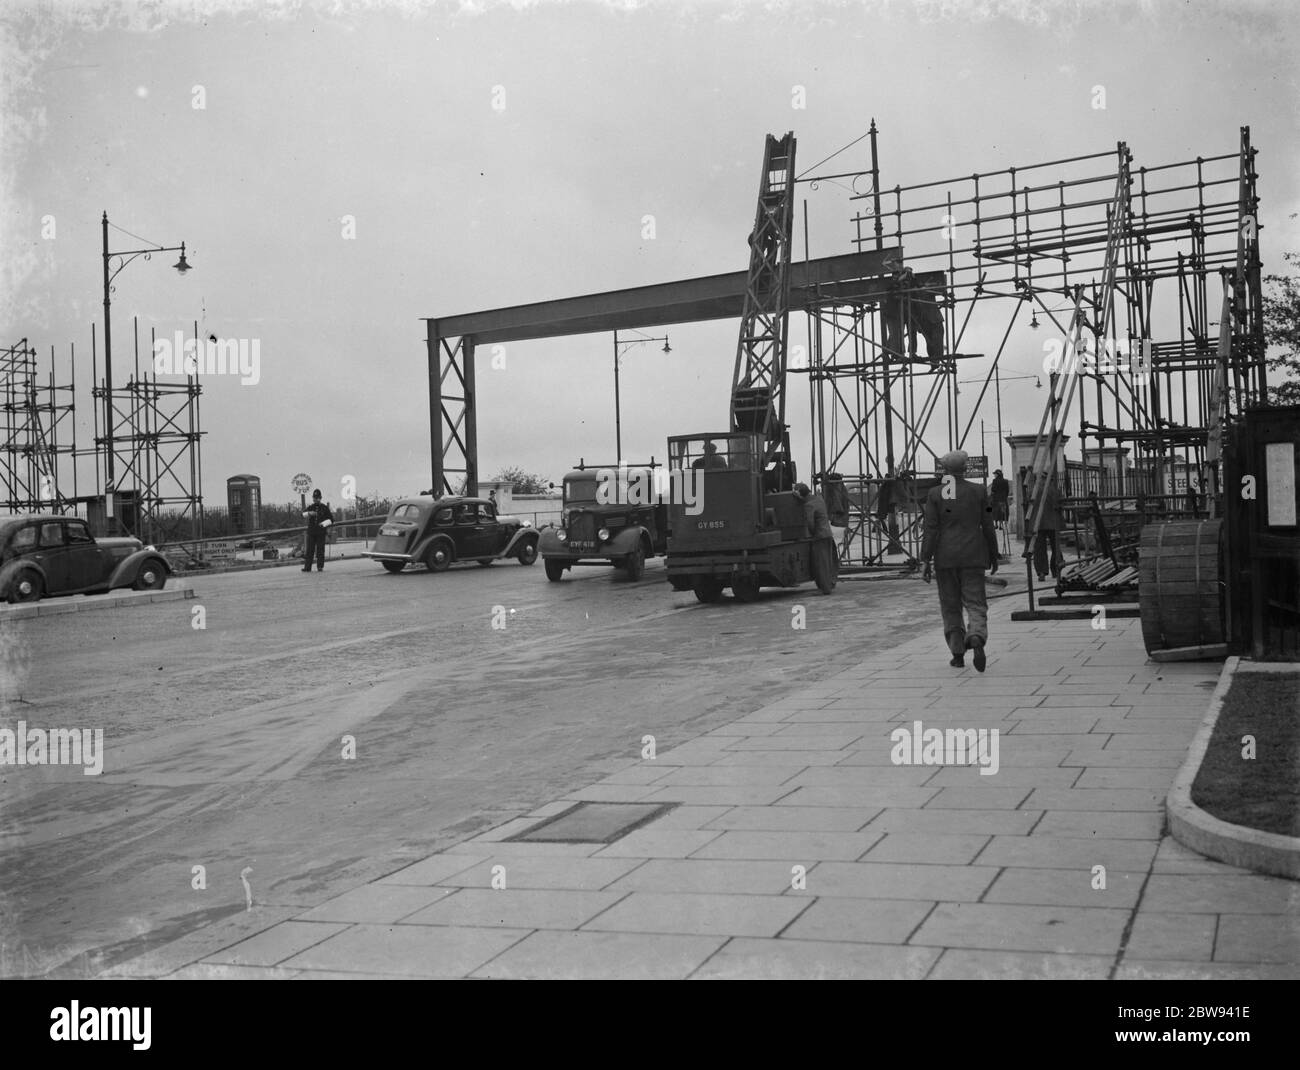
124, 257
618, 417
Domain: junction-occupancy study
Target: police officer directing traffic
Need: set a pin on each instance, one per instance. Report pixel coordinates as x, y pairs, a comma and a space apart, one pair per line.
319, 518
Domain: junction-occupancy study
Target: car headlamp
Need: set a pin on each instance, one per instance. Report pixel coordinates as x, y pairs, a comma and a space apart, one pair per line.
562, 535
603, 534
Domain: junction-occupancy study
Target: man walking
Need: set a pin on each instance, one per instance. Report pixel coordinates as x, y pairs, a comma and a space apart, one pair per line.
1000, 493
319, 518
1048, 525
961, 543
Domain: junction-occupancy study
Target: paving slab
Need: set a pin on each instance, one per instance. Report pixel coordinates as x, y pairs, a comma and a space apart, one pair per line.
959, 965
882, 921
1258, 938
276, 944
516, 908
579, 874
984, 822
792, 818
699, 914
376, 903
796, 847
1211, 894
1155, 970
816, 960
603, 956
898, 880
707, 875
1007, 927
1179, 937
408, 950
1062, 886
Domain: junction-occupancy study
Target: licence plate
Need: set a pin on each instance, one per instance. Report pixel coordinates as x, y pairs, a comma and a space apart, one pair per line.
580, 545
389, 531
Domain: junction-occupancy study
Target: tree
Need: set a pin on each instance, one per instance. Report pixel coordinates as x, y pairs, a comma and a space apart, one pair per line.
522, 482
1282, 334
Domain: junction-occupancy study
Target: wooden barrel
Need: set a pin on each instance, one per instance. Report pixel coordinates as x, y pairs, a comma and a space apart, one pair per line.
1180, 584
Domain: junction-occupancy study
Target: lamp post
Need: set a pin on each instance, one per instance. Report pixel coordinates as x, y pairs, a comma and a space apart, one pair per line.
124, 256
618, 416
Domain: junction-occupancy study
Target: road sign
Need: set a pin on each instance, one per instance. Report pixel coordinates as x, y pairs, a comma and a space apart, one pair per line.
301, 483
218, 551
976, 468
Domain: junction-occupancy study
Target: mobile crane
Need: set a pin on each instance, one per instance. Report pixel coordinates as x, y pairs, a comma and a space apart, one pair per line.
746, 528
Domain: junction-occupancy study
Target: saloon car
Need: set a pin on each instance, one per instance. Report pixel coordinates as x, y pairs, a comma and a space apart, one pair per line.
438, 532
53, 555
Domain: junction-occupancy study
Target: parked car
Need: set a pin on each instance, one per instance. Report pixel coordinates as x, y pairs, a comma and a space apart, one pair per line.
593, 531
438, 532
53, 555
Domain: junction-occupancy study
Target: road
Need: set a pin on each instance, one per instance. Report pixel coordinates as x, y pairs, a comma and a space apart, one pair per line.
472, 696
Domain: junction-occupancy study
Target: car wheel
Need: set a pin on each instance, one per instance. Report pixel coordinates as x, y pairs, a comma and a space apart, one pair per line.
680, 583
393, 566
634, 563
554, 570
707, 588
745, 590
26, 587
438, 557
527, 553
151, 577
486, 561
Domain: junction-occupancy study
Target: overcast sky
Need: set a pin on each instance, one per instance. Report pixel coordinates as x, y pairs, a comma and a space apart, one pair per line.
498, 154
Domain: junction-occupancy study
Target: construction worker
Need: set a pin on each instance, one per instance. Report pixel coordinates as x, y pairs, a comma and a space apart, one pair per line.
961, 542
711, 458
826, 562
319, 519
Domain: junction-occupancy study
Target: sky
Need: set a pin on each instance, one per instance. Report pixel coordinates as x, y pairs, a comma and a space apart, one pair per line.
338, 171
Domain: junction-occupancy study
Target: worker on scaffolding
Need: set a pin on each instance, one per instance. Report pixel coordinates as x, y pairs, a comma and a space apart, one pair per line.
909, 308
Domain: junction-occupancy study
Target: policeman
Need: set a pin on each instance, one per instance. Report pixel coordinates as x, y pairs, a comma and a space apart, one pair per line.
319, 518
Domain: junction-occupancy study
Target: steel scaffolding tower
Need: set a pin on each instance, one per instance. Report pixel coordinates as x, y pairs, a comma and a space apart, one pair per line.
39, 434
156, 443
987, 247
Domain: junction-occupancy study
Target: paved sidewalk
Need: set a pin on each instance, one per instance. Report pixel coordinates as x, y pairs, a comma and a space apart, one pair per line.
799, 849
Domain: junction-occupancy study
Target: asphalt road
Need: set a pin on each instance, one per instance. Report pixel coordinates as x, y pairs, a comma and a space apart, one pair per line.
223, 745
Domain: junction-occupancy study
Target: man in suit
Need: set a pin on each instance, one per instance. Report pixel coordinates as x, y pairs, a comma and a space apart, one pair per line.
961, 543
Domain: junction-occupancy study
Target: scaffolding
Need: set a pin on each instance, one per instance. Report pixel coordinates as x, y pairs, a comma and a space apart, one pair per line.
37, 455
156, 446
981, 251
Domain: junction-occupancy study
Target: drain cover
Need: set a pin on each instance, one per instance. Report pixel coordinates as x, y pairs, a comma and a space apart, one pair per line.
592, 822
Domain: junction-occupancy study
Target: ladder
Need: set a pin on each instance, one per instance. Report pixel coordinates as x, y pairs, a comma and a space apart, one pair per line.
1047, 444
758, 378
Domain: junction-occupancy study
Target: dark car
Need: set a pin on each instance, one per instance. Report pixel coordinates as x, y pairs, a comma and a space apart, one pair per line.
54, 555
437, 532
